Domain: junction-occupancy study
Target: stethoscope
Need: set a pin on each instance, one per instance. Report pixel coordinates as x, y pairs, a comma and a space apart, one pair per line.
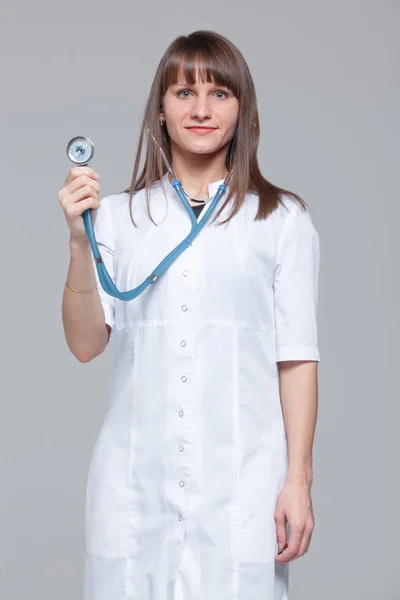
80, 151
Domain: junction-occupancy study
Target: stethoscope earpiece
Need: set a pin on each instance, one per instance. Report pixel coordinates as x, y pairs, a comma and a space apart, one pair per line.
80, 150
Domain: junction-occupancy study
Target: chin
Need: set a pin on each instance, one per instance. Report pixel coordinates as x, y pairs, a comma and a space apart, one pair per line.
204, 151
201, 148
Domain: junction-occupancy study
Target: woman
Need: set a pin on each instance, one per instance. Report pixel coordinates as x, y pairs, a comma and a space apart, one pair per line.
204, 455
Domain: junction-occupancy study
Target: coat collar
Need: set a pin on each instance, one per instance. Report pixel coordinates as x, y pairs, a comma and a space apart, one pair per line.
212, 187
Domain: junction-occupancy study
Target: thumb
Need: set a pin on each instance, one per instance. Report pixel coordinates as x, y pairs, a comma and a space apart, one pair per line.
281, 535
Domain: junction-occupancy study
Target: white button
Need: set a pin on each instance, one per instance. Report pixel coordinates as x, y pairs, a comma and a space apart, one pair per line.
184, 308
181, 483
190, 245
183, 378
179, 517
180, 448
183, 343
185, 273
181, 413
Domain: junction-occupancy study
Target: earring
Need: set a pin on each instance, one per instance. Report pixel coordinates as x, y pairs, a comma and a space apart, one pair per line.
162, 121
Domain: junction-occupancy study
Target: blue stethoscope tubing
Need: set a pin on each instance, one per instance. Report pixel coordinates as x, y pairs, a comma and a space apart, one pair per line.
104, 277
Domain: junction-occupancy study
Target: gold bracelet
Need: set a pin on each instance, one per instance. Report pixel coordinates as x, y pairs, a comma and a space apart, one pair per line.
81, 291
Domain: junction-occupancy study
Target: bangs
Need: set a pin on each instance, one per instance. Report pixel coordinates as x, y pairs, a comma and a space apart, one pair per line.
197, 60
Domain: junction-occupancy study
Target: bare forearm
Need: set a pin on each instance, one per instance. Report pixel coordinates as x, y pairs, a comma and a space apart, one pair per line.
299, 399
82, 314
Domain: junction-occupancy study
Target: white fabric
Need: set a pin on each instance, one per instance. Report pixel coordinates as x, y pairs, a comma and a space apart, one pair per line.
191, 456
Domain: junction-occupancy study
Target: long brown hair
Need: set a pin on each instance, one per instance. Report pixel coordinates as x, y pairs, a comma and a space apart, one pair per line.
214, 59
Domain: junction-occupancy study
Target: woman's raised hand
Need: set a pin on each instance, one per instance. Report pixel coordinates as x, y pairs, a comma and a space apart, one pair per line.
79, 192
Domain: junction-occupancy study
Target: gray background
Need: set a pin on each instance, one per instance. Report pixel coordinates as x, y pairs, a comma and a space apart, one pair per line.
327, 78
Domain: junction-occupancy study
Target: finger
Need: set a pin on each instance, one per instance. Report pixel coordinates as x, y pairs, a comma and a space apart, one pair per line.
282, 549
81, 181
74, 210
84, 192
77, 171
296, 534
75, 192
281, 534
306, 539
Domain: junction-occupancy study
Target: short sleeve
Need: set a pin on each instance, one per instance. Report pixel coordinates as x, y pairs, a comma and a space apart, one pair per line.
296, 287
105, 236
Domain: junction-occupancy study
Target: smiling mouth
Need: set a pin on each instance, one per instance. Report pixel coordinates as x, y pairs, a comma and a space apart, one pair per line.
199, 129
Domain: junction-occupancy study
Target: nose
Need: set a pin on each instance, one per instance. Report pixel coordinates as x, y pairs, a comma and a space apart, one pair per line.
201, 107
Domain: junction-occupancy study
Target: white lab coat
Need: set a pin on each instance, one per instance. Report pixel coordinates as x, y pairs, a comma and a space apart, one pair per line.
191, 456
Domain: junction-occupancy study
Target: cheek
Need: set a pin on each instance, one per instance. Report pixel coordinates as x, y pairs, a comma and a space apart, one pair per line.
174, 116
229, 116
234, 113
173, 127
230, 123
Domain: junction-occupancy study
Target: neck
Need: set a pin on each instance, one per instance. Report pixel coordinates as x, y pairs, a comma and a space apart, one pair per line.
197, 171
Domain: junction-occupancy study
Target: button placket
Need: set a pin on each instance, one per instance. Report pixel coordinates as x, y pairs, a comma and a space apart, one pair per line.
184, 379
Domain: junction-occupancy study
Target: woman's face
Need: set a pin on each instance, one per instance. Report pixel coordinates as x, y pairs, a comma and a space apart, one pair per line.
200, 118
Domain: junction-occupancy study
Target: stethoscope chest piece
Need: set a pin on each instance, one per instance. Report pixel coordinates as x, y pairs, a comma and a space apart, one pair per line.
80, 150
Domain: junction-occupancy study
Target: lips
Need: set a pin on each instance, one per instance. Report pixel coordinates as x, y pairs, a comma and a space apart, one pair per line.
199, 129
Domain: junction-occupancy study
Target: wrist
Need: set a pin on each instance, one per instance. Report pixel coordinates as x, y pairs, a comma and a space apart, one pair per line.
300, 475
79, 242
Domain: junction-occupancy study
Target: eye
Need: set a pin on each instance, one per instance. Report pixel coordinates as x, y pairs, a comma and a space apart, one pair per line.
185, 92
224, 94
